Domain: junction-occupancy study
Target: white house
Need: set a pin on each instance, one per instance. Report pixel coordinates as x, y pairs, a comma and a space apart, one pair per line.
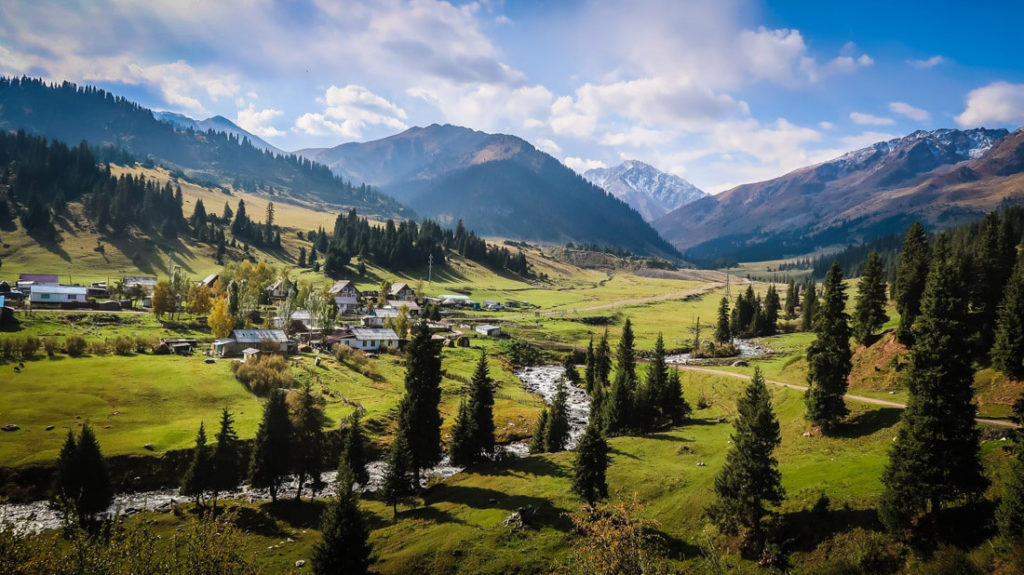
371, 338
488, 330
242, 339
48, 293
346, 296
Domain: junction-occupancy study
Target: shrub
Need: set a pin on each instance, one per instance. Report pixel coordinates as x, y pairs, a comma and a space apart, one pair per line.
144, 343
75, 345
98, 348
123, 345
51, 346
7, 347
263, 374
29, 346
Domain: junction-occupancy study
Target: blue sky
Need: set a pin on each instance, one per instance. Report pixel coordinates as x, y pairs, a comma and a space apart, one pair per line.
720, 92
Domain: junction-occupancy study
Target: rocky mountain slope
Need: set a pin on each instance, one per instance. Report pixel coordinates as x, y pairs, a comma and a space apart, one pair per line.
646, 189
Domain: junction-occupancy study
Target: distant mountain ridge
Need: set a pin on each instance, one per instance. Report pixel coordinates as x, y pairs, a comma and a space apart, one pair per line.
499, 185
649, 191
941, 177
217, 124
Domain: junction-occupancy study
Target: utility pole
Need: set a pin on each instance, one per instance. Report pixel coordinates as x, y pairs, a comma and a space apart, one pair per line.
430, 269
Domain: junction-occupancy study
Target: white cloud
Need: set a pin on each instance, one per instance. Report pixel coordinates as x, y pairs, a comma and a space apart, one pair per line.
927, 62
579, 165
775, 55
259, 121
348, 111
870, 120
636, 137
826, 125
997, 103
490, 107
548, 145
905, 109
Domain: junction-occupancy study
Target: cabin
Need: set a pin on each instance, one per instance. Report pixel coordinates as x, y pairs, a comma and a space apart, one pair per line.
412, 307
26, 280
268, 340
147, 283
489, 330
279, 289
371, 338
178, 345
401, 291
209, 280
346, 297
58, 294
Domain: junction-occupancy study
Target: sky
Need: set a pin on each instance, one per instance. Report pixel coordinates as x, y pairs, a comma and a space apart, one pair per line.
720, 92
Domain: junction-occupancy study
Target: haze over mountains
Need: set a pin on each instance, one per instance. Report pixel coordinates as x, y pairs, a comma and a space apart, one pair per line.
646, 189
217, 124
942, 177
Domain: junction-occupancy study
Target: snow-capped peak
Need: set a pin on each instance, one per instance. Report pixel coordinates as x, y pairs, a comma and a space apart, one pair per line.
649, 191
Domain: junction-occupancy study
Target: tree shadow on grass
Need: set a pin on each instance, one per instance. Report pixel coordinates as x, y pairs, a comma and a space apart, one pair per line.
539, 511
676, 548
662, 436
531, 465
256, 521
428, 513
867, 423
706, 421
613, 451
300, 514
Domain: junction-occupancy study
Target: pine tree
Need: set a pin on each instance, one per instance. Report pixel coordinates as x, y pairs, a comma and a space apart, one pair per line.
227, 459
619, 408
481, 407
558, 421
770, 316
676, 407
750, 477
808, 308
345, 545
603, 360
420, 417
97, 493
399, 481
911, 272
591, 465
308, 435
657, 378
272, 448
870, 310
590, 371
538, 443
829, 356
198, 478
792, 298
722, 332
463, 449
353, 454
625, 354
67, 485
1008, 351
569, 370
935, 457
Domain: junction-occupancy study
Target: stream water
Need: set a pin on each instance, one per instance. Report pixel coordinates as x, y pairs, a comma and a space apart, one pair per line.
37, 516
748, 349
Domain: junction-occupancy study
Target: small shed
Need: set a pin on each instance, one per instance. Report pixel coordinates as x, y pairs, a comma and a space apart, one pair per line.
488, 330
180, 345
249, 353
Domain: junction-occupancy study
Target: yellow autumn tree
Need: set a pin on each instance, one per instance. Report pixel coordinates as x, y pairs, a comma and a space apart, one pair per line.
220, 321
163, 298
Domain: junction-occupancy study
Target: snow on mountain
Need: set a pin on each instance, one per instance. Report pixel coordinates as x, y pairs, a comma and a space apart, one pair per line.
646, 189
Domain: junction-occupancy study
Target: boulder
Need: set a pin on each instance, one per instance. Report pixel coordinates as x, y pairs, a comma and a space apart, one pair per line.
10, 427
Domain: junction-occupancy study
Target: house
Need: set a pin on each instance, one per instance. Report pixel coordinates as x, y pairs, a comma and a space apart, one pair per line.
488, 330
412, 307
209, 280
378, 317
279, 289
179, 345
271, 340
346, 296
57, 294
493, 305
147, 283
25, 280
402, 291
371, 338
302, 316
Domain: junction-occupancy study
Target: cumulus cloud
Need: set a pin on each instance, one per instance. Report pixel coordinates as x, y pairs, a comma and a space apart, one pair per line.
927, 62
870, 120
348, 111
997, 103
579, 165
490, 107
905, 109
259, 122
548, 145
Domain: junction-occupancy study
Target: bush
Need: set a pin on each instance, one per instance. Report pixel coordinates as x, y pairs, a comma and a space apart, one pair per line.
98, 348
263, 374
51, 346
711, 349
144, 343
123, 345
75, 345
8, 345
29, 346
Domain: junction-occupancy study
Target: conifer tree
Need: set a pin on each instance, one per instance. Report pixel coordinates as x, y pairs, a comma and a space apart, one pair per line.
657, 378
97, 492
829, 356
870, 310
935, 457
199, 476
272, 448
590, 371
1008, 351
911, 273
308, 434
603, 360
481, 407
770, 316
353, 454
399, 481
1010, 513
569, 370
722, 332
558, 421
226, 459
808, 307
792, 298
538, 443
676, 406
345, 545
463, 449
625, 354
618, 407
750, 477
67, 485
590, 467
420, 417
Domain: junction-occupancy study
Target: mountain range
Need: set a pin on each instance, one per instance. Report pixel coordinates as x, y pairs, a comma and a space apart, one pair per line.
646, 189
942, 177
217, 124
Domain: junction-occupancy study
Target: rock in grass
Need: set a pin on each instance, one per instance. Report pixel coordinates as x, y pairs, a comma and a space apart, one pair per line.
10, 427
300, 563
149, 447
49, 428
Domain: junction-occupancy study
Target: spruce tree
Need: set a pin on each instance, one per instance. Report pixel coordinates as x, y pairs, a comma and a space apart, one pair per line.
272, 448
558, 421
809, 307
353, 454
67, 485
97, 493
420, 416
591, 465
590, 371
538, 443
750, 477
569, 370
656, 383
625, 355
603, 360
722, 332
345, 545
308, 435
935, 457
870, 310
792, 299
676, 407
829, 356
911, 273
463, 449
618, 407
1008, 351
481, 407
198, 478
226, 459
770, 315
399, 480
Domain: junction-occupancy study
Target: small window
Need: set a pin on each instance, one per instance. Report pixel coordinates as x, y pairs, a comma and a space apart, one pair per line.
44, 296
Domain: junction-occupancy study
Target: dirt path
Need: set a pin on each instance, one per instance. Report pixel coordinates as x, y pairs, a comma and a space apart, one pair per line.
861, 398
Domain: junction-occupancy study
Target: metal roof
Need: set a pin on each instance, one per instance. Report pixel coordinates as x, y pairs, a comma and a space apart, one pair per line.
258, 335
75, 290
365, 333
